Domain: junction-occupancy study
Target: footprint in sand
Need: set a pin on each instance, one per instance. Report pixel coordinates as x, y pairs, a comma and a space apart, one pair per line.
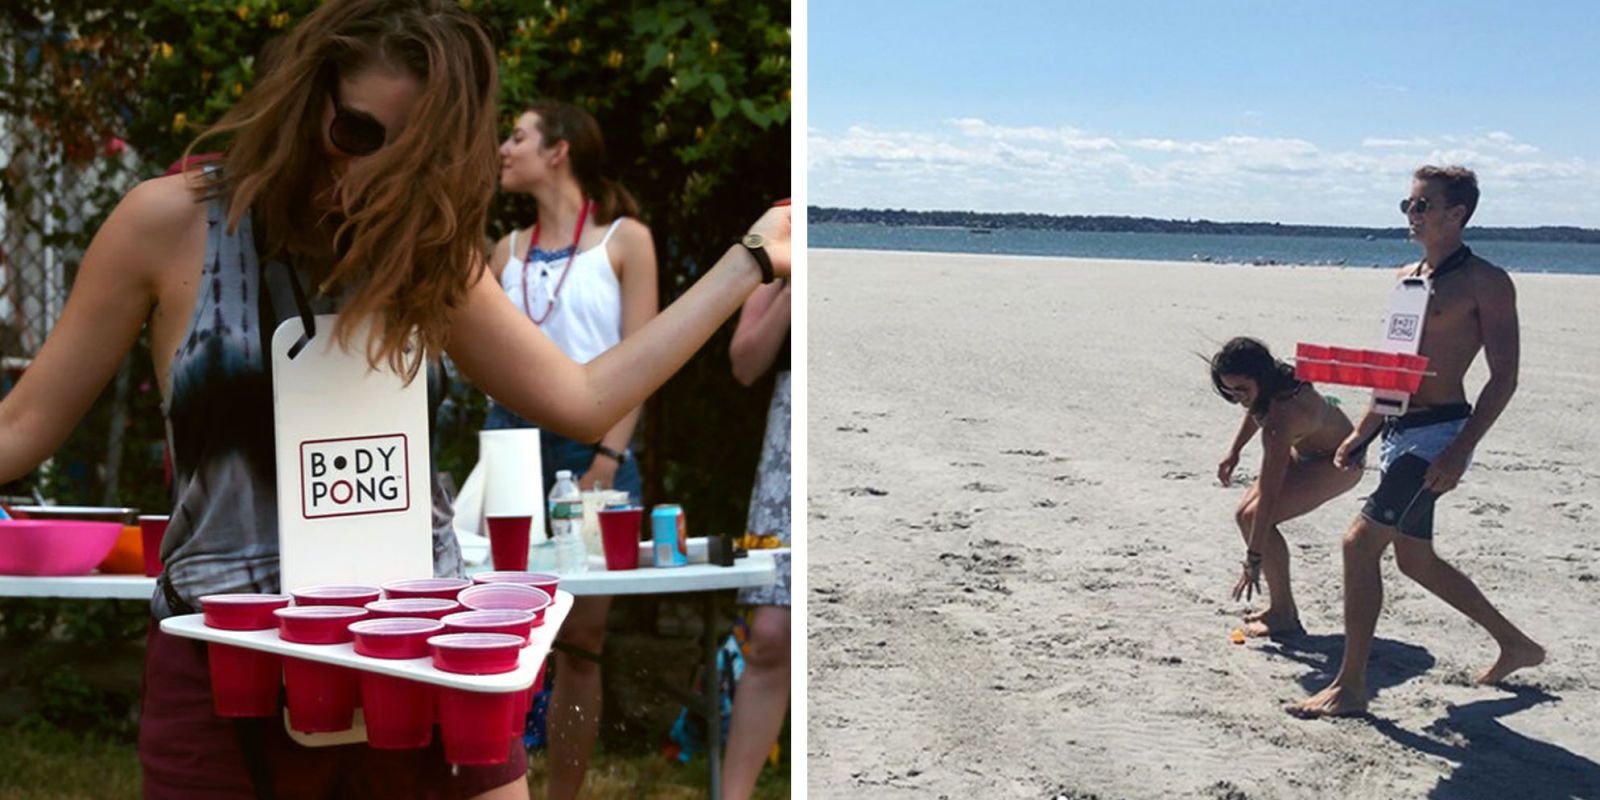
1489, 508
1573, 511
971, 420
987, 488
850, 429
871, 491
1031, 453
1178, 475
1046, 503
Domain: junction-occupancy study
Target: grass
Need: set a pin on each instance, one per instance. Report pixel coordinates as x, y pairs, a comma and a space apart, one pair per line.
42, 762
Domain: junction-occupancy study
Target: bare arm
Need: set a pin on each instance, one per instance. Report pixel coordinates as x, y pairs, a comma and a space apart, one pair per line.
1275, 445
640, 302
1502, 349
763, 323
1247, 431
584, 401
111, 298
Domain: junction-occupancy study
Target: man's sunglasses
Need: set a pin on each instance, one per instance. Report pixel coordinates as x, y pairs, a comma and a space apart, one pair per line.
355, 133
1419, 205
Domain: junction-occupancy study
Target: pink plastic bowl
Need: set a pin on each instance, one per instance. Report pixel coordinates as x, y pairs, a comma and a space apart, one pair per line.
513, 596
54, 547
443, 588
504, 620
242, 612
336, 594
317, 624
475, 653
429, 607
394, 638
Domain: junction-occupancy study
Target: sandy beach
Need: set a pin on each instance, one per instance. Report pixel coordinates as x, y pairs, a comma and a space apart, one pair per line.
1021, 555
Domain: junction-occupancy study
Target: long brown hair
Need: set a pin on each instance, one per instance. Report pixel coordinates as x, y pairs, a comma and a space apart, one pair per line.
586, 152
410, 222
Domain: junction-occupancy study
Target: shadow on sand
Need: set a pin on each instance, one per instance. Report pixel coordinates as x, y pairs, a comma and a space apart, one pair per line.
1493, 760
1392, 662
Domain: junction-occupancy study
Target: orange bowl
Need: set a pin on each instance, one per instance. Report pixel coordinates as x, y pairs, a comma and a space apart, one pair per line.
127, 555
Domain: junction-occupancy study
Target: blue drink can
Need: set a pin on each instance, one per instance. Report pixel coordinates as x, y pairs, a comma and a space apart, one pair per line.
670, 532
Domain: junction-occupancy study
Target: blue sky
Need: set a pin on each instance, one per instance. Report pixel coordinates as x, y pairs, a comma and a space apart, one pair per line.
1230, 110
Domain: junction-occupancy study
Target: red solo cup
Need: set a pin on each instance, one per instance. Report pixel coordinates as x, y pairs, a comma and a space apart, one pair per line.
337, 594
399, 712
542, 580
508, 541
515, 596
152, 529
322, 697
475, 725
317, 624
475, 653
1385, 366
244, 683
1415, 365
242, 612
426, 607
394, 637
499, 620
468, 721
1348, 370
619, 535
1315, 352
440, 588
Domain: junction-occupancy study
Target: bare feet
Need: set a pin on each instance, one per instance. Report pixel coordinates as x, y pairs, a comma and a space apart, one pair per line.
1334, 701
1524, 654
1255, 616
1272, 623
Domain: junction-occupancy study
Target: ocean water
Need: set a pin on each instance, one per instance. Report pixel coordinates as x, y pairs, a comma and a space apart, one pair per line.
1583, 259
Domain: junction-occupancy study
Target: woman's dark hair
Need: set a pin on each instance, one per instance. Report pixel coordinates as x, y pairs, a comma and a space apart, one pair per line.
586, 152
1249, 358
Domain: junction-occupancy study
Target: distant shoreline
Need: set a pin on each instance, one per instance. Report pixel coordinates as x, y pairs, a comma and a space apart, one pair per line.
1163, 262
987, 221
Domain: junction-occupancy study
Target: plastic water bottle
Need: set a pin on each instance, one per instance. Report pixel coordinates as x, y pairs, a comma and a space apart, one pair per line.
566, 524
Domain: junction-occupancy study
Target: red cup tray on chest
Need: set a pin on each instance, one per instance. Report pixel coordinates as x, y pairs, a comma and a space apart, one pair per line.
472, 684
1374, 369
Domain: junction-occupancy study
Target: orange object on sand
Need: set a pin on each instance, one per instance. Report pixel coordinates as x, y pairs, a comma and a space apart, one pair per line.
127, 555
1238, 636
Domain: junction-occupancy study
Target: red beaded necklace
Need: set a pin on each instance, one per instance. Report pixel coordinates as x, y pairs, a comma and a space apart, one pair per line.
583, 216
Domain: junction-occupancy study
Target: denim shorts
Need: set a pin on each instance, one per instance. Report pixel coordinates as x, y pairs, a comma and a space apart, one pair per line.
1400, 501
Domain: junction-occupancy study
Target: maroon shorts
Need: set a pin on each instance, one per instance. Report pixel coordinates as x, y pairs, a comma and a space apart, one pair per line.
188, 752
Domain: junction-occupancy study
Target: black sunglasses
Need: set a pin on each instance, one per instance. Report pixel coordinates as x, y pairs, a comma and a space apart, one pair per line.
355, 133
1419, 205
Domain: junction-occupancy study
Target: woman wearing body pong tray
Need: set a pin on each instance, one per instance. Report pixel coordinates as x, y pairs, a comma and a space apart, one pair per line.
356, 177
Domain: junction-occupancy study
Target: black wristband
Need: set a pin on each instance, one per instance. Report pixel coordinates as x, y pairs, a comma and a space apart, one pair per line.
620, 458
756, 244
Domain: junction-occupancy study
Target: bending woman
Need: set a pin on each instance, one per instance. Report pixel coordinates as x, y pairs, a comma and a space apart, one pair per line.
1300, 430
358, 172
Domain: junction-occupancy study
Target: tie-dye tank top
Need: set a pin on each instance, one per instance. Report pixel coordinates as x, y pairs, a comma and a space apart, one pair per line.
223, 535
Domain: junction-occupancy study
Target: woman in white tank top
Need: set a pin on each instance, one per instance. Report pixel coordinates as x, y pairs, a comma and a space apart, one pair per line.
585, 272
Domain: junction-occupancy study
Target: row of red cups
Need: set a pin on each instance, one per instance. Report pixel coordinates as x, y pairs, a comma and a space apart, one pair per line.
420, 618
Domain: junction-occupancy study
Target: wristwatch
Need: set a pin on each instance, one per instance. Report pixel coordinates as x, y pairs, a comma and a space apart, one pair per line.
757, 245
621, 458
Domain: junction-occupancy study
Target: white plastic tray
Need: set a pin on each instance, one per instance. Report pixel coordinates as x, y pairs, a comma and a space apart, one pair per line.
192, 626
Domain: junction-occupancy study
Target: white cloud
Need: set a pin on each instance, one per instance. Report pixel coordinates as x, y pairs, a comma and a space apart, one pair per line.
972, 163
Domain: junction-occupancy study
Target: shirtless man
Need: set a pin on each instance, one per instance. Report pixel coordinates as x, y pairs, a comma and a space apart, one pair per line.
1425, 452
